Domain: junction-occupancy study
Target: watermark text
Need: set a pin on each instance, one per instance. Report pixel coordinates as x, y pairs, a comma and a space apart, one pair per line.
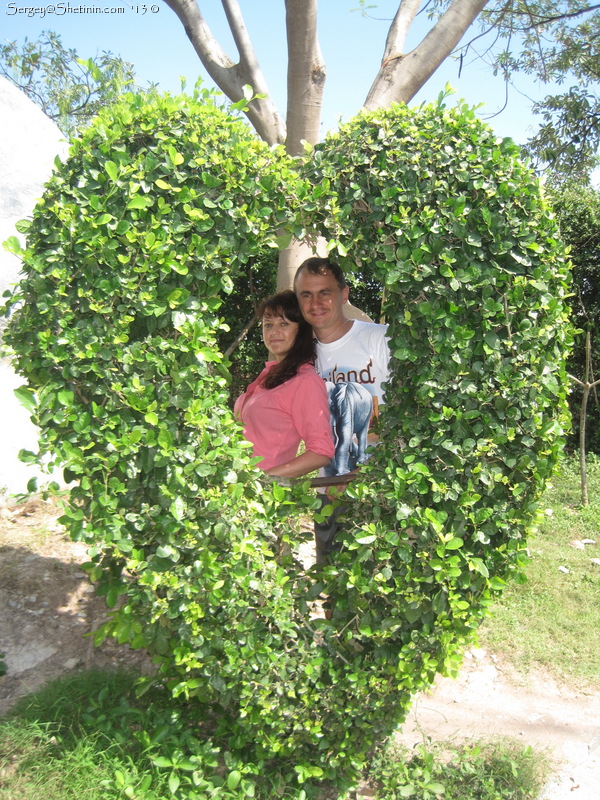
60, 9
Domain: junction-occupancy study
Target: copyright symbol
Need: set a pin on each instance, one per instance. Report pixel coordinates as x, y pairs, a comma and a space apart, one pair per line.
154, 9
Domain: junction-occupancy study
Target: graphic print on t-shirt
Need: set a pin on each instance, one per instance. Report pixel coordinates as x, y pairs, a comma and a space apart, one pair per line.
354, 369
352, 407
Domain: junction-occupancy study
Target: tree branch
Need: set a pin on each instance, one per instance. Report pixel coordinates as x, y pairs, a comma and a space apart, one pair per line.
241, 335
538, 19
396, 38
228, 76
248, 60
401, 76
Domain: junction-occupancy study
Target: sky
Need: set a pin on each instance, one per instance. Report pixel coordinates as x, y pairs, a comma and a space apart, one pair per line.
151, 37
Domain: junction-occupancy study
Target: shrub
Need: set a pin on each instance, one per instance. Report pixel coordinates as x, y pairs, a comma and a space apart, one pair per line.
129, 252
578, 212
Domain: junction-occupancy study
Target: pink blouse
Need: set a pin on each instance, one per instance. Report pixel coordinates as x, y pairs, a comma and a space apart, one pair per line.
277, 420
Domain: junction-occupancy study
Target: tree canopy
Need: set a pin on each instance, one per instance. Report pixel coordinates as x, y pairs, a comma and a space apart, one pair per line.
68, 89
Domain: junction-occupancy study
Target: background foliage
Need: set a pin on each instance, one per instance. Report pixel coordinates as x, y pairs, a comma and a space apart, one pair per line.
68, 89
139, 240
578, 212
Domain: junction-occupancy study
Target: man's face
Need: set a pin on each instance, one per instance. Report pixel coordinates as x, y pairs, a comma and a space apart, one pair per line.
321, 301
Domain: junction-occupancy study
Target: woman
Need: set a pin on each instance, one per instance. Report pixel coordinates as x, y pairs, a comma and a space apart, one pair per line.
287, 403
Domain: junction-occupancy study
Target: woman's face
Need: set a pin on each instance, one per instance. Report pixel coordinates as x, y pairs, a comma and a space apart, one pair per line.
279, 335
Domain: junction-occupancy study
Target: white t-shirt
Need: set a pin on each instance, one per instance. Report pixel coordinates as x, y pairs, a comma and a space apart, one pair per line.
353, 368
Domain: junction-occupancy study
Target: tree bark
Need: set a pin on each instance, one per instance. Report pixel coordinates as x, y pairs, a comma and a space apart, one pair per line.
402, 75
229, 76
291, 258
306, 75
585, 501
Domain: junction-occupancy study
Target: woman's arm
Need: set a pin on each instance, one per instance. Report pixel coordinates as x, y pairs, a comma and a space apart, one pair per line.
301, 465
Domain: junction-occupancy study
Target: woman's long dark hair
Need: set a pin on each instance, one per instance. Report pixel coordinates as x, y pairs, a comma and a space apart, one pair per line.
285, 304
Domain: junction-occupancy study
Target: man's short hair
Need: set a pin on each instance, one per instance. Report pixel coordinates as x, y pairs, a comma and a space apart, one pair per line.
321, 266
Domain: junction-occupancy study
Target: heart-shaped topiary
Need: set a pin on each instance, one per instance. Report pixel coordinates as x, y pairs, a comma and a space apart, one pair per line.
130, 250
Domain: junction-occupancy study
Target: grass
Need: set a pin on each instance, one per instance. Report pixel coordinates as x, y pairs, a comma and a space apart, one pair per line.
35, 764
496, 770
52, 746
551, 620
89, 738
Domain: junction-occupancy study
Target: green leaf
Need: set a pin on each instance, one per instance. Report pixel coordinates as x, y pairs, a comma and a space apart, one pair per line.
66, 397
366, 539
26, 397
233, 780
23, 226
138, 201
13, 245
278, 492
175, 156
111, 170
165, 439
454, 544
174, 782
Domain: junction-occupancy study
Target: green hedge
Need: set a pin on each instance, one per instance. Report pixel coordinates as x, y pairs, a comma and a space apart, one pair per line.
448, 218
137, 238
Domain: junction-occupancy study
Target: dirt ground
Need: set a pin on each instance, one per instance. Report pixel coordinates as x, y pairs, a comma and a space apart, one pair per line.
47, 606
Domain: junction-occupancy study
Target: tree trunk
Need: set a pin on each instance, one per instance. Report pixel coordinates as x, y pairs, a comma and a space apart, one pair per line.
290, 259
305, 77
582, 454
305, 84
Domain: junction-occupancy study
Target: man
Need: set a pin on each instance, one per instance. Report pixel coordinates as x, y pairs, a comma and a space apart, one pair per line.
352, 359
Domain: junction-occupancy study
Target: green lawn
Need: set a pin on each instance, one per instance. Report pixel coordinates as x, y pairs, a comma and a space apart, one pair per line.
553, 619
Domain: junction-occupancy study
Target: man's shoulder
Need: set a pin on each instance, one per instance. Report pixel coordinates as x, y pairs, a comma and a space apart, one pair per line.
363, 323
363, 328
